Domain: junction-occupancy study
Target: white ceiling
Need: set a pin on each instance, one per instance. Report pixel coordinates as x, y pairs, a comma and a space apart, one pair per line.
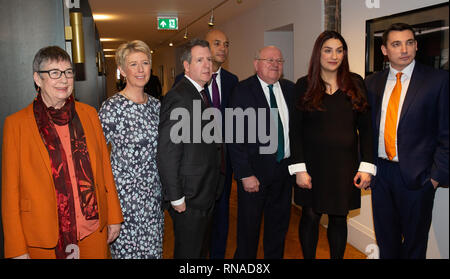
137, 19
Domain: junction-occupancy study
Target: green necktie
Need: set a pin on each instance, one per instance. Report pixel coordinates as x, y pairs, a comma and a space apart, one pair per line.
273, 104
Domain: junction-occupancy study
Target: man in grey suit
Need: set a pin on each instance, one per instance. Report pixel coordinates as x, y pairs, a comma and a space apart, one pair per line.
190, 169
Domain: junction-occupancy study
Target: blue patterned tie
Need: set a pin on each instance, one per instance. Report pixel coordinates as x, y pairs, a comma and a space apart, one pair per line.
273, 104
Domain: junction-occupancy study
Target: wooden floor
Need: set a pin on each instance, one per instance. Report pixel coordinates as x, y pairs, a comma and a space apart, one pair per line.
292, 245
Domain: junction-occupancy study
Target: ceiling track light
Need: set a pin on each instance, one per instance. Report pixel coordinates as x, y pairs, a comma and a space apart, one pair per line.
211, 19
185, 34
200, 18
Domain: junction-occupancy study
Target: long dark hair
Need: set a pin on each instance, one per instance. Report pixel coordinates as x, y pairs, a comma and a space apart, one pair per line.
312, 99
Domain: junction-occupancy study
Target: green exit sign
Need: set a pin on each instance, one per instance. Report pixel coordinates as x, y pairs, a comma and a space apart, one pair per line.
167, 23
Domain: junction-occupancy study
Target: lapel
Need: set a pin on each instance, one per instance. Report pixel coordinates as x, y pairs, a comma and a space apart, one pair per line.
413, 89
36, 138
258, 93
286, 95
89, 133
224, 84
192, 91
379, 91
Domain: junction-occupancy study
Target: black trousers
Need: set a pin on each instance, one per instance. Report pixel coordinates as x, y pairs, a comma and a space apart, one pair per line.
192, 230
402, 217
274, 203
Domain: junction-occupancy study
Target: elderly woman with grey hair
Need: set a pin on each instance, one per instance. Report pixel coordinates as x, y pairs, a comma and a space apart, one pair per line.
130, 121
58, 194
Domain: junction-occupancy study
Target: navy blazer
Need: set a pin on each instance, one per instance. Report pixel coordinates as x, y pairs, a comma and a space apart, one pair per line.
245, 157
423, 128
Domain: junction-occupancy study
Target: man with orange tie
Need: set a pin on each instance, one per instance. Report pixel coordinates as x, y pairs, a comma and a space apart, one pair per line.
410, 119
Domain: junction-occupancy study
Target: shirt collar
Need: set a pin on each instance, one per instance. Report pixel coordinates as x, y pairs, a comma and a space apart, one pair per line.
406, 72
197, 86
265, 85
218, 71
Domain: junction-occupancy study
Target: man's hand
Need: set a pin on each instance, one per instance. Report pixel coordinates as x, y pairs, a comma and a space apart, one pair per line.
180, 208
303, 180
251, 184
435, 183
364, 180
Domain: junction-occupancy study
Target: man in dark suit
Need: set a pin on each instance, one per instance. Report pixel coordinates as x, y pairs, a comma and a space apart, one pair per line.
189, 168
410, 118
219, 91
222, 82
264, 183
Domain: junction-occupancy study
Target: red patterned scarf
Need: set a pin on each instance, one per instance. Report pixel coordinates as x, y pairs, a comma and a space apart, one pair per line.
46, 118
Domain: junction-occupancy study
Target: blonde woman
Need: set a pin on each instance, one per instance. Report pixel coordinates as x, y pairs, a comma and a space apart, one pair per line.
130, 121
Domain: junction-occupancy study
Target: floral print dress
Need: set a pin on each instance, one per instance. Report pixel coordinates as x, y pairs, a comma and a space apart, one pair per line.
132, 130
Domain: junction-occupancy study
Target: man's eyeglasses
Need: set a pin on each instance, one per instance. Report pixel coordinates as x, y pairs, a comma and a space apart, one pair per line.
271, 60
56, 74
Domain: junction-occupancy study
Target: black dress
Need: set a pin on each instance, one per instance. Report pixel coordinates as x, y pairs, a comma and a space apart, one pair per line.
331, 143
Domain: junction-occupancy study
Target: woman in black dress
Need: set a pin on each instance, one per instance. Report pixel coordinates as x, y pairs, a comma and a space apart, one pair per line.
331, 144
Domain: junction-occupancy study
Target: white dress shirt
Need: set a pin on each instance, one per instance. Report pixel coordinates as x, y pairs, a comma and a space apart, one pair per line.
282, 111
390, 84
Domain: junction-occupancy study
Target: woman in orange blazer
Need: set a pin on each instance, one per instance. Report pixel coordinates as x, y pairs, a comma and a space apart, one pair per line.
58, 194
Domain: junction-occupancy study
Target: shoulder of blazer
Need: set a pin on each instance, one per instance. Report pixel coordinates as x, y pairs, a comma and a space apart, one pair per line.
184, 84
85, 108
375, 77
230, 76
248, 82
22, 114
427, 71
285, 83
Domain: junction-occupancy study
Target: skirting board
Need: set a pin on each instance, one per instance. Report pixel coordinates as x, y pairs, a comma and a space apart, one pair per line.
362, 238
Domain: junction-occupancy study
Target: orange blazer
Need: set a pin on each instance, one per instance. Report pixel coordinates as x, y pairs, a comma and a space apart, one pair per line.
29, 212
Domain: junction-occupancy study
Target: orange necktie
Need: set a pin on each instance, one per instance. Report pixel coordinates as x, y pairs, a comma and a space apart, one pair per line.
390, 128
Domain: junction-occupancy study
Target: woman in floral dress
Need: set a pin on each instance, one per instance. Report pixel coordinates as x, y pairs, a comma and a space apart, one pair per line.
130, 121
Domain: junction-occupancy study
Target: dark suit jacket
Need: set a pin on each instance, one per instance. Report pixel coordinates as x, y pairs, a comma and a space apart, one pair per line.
187, 169
422, 133
245, 157
228, 82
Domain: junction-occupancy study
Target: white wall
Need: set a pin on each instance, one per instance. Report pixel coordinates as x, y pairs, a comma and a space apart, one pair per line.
284, 40
246, 33
354, 14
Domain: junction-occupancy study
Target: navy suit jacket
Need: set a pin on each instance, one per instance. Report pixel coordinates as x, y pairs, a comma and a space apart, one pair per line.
423, 128
245, 157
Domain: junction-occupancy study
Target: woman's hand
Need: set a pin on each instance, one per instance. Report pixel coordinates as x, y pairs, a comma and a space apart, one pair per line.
364, 180
113, 232
303, 180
